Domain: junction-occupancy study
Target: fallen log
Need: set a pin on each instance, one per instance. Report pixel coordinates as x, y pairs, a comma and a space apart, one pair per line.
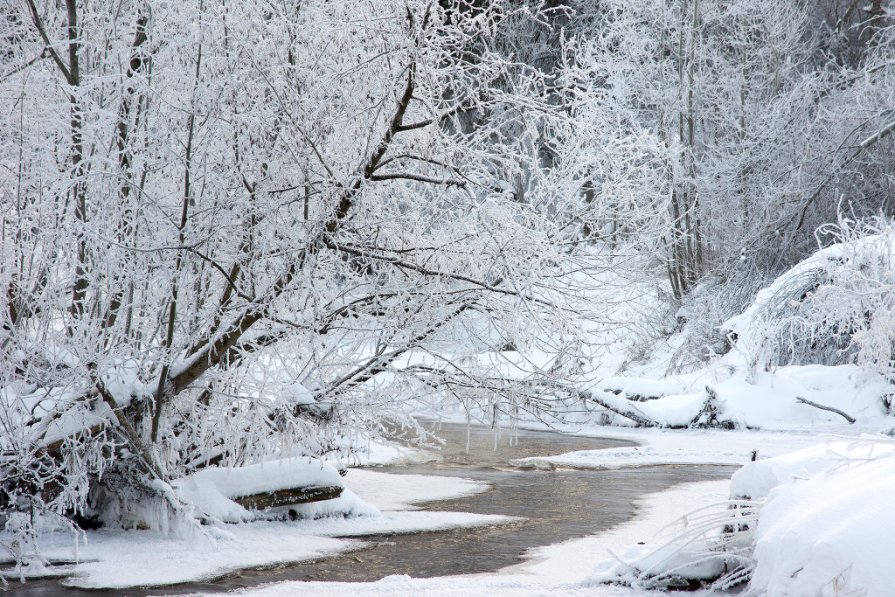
632, 397
617, 405
288, 497
608, 401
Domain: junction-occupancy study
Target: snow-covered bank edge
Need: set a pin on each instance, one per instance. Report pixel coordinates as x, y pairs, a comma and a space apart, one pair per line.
562, 569
660, 447
811, 522
106, 558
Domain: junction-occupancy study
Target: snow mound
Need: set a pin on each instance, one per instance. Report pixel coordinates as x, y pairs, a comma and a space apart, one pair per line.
812, 522
826, 526
834, 307
756, 479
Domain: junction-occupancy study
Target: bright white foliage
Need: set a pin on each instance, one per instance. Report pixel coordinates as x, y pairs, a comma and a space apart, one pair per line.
228, 230
834, 307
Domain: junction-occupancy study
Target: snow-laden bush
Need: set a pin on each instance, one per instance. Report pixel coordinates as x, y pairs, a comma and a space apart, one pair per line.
811, 522
711, 547
834, 307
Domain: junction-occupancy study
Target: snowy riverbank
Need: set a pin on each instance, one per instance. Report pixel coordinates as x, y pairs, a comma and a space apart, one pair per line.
383, 503
564, 569
386, 504
810, 496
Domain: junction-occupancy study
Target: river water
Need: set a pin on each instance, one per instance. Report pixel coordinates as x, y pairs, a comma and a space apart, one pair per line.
555, 505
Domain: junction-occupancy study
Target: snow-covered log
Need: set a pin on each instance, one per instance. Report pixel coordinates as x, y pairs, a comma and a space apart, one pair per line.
288, 497
233, 494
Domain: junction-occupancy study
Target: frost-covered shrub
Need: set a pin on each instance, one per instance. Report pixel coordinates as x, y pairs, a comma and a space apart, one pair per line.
834, 307
712, 301
708, 548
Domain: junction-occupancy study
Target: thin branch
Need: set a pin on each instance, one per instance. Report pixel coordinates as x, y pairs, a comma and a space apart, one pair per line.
430, 272
231, 283
842, 414
38, 23
418, 178
878, 136
407, 156
413, 126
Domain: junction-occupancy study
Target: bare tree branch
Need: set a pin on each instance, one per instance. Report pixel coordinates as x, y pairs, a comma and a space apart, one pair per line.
842, 414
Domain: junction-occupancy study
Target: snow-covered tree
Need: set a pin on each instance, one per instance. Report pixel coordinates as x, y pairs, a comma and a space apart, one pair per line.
699, 97
236, 229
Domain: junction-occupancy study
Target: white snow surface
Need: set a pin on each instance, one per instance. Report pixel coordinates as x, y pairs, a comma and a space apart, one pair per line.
826, 527
757, 479
121, 559
400, 492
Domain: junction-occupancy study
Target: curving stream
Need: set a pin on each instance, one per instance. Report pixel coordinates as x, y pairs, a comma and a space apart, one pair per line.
557, 505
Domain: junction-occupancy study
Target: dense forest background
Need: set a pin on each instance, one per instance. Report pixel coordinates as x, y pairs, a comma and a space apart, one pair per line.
236, 229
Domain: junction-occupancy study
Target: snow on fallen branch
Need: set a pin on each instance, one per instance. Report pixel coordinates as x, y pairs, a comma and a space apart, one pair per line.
709, 413
230, 494
842, 414
618, 405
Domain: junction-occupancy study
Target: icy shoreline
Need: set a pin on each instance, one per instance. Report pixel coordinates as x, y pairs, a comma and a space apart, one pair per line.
562, 569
